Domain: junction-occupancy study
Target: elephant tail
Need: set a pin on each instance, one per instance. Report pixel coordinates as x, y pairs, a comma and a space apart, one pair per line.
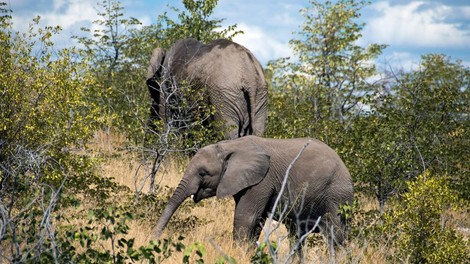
247, 126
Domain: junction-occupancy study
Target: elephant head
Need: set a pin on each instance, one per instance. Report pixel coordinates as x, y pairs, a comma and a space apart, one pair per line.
217, 170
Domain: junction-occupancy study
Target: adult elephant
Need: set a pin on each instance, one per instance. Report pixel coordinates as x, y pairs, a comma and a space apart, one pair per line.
252, 170
230, 73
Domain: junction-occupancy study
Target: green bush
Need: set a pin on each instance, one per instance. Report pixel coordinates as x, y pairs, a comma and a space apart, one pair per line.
420, 234
103, 240
45, 122
264, 253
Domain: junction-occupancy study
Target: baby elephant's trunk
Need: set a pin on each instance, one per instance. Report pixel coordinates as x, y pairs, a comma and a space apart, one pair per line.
173, 203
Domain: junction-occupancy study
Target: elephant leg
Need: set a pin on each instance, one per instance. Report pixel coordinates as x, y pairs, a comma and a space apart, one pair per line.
250, 216
247, 225
259, 126
299, 228
261, 114
333, 229
294, 236
232, 129
237, 115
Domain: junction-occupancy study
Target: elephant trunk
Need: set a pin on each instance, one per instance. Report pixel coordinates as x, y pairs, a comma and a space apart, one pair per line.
181, 193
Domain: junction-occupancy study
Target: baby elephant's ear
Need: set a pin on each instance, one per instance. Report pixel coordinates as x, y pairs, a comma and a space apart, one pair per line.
244, 167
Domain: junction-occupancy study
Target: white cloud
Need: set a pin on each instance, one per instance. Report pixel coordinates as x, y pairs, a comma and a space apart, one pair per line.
64, 13
415, 23
68, 13
261, 44
400, 60
285, 15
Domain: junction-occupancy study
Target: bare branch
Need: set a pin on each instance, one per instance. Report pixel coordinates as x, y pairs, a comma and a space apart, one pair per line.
268, 231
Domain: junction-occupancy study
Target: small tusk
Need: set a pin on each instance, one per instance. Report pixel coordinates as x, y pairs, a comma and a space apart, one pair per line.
192, 196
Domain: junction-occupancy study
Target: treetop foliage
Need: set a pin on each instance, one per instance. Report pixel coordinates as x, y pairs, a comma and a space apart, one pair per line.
331, 71
194, 22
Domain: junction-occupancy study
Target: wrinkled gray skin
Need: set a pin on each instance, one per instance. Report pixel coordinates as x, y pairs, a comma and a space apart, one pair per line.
252, 169
233, 77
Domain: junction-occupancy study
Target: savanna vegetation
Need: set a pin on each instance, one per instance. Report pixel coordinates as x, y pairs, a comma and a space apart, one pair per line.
83, 177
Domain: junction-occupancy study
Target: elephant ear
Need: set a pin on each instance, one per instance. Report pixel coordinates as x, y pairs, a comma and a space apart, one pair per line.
154, 74
245, 166
156, 62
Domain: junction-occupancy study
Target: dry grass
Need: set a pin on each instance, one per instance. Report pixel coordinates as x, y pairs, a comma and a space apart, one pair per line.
215, 217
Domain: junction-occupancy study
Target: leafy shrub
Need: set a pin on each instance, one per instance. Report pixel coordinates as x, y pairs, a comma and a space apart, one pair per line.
200, 251
420, 233
364, 224
45, 122
263, 253
103, 240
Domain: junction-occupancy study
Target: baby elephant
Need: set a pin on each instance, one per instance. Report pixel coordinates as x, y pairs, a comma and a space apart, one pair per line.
252, 170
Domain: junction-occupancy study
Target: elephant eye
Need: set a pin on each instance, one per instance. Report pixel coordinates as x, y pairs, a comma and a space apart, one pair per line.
203, 173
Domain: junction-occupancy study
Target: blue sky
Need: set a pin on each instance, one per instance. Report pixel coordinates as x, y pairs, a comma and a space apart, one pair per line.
410, 28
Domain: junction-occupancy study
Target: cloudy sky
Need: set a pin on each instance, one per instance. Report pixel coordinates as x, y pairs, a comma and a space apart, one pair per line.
410, 28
